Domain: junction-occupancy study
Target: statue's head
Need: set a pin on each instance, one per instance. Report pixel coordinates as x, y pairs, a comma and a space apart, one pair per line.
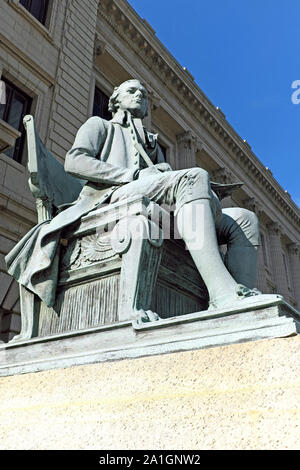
130, 96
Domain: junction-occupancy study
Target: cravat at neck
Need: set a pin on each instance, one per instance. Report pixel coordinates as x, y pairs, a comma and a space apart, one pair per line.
137, 125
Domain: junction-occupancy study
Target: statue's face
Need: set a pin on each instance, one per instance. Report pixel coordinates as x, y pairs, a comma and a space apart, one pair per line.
133, 97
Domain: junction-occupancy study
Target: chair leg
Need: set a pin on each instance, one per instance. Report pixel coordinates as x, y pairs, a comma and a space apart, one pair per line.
139, 242
29, 318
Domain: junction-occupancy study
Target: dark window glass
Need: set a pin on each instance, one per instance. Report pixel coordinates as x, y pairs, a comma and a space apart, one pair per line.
164, 151
13, 111
38, 8
100, 107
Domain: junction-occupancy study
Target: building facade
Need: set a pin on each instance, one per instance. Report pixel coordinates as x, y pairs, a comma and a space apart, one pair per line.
59, 61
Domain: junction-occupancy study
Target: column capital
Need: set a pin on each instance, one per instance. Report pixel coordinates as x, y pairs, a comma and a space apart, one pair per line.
274, 229
293, 248
222, 175
186, 138
253, 205
154, 101
186, 145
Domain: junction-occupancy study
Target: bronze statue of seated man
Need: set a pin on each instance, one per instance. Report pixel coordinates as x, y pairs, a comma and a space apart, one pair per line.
120, 159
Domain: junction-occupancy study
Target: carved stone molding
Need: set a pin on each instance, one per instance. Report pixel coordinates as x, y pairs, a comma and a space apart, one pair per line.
95, 248
222, 175
99, 46
86, 251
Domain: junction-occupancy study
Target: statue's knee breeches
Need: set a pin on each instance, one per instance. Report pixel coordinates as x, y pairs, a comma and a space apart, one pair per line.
191, 185
171, 188
238, 226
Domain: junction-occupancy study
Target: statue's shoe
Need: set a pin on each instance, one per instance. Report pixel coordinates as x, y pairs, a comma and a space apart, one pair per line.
242, 297
145, 316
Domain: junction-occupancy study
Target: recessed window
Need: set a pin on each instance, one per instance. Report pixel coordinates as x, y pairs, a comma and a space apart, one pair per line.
17, 105
100, 107
164, 150
38, 8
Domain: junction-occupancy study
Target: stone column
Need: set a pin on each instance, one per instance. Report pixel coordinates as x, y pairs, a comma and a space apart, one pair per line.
186, 145
294, 251
153, 104
2, 88
278, 269
253, 205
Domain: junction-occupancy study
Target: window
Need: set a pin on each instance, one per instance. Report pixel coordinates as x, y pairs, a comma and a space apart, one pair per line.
16, 107
164, 150
100, 107
38, 8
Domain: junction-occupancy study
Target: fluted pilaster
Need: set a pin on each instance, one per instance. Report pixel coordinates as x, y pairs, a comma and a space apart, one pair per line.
294, 252
278, 268
186, 145
153, 103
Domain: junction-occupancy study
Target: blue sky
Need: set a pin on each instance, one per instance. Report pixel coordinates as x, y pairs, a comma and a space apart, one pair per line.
244, 55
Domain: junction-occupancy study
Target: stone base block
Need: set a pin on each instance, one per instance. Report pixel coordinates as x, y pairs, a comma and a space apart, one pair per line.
126, 340
240, 396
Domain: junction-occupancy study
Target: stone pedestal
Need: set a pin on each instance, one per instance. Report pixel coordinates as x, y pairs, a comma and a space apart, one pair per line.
240, 397
124, 340
180, 383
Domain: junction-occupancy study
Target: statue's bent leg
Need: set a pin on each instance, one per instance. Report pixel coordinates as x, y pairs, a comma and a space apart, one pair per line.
239, 230
196, 225
197, 218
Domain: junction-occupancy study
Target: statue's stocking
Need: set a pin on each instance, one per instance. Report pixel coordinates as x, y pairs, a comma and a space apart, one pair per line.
196, 226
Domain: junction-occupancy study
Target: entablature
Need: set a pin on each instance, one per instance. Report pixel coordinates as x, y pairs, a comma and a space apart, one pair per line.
125, 21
